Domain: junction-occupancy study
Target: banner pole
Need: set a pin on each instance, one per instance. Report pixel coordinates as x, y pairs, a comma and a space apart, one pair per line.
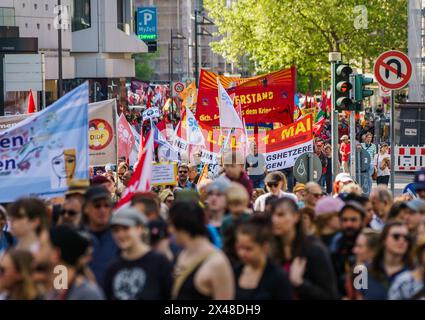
116, 141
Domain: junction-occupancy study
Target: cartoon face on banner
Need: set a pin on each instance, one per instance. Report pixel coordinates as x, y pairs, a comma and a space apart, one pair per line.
100, 134
63, 168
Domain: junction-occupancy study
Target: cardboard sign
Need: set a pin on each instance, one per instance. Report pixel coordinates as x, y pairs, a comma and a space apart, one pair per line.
164, 174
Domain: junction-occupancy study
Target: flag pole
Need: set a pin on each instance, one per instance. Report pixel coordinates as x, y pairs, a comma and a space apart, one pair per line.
116, 141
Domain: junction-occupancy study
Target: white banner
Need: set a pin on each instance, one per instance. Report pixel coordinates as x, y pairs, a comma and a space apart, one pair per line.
151, 113
286, 158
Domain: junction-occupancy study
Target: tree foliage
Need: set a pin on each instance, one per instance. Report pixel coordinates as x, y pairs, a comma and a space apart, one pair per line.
280, 33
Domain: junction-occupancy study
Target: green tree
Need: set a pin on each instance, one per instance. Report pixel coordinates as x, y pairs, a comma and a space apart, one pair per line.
279, 33
143, 65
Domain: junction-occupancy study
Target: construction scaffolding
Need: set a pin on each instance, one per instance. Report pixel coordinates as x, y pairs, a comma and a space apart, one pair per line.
416, 43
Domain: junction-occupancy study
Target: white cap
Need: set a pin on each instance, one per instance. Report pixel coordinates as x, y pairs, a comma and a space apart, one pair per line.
343, 177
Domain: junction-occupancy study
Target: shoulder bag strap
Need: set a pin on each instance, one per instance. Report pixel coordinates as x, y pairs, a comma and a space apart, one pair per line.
180, 279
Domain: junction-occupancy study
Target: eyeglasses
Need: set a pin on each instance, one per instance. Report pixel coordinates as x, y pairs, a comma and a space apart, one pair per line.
183, 172
397, 236
101, 205
317, 195
272, 184
71, 213
350, 219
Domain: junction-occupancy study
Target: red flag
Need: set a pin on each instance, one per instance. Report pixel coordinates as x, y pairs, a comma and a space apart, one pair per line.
142, 176
31, 104
126, 139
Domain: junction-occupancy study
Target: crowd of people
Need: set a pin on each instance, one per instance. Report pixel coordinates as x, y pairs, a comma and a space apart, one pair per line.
247, 234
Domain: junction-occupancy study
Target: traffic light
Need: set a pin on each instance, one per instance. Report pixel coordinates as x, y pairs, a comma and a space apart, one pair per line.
342, 87
360, 92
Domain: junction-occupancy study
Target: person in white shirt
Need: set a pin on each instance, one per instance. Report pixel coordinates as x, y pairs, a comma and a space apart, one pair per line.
276, 183
382, 164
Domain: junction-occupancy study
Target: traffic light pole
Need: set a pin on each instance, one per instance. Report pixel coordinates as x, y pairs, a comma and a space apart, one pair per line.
334, 118
353, 147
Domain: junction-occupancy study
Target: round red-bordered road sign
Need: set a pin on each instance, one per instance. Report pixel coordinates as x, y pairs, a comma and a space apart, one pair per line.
393, 69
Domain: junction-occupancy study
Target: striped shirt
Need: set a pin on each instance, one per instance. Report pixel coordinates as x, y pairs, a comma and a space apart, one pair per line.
371, 149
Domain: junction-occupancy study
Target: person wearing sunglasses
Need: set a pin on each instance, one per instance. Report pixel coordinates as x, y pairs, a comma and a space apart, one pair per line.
276, 183
392, 258
97, 213
351, 218
183, 177
313, 192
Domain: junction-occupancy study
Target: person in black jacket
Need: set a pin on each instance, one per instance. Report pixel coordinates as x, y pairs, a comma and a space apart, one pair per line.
351, 217
258, 277
306, 260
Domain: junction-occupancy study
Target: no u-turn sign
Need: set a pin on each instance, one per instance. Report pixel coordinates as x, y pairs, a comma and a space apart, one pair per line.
393, 69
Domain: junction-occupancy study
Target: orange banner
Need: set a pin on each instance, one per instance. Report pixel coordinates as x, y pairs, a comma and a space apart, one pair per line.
264, 98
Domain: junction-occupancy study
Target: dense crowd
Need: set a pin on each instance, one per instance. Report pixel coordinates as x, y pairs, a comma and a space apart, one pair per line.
247, 234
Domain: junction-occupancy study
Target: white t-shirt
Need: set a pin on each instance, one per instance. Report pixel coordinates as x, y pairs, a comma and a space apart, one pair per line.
260, 203
379, 158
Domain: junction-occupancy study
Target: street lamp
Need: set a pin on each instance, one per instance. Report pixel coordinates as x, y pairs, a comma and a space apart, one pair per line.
204, 22
171, 48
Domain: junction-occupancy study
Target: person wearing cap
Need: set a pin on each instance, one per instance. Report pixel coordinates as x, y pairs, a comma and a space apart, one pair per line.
138, 273
183, 177
419, 183
299, 191
382, 200
216, 203
345, 150
414, 215
410, 285
72, 209
275, 182
382, 165
69, 248
107, 182
351, 217
326, 218
97, 213
256, 166
233, 165
341, 180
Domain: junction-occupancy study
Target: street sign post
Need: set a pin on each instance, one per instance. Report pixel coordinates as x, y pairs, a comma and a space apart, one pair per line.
393, 70
308, 167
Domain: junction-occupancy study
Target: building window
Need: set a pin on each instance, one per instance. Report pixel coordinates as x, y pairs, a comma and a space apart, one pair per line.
48, 26
35, 6
26, 25
38, 26
46, 7
7, 17
23, 4
120, 15
81, 18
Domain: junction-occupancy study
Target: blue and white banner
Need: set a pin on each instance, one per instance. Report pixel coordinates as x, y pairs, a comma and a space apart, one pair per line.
42, 154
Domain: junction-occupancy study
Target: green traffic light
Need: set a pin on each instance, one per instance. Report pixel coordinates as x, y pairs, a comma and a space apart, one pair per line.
360, 91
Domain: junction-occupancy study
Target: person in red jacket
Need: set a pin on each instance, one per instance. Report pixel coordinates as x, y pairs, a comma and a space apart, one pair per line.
345, 150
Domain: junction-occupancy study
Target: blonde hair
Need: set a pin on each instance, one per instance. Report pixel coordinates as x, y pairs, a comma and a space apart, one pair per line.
352, 188
25, 288
237, 193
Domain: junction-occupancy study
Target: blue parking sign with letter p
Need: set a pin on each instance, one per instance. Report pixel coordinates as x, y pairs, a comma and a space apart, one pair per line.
147, 23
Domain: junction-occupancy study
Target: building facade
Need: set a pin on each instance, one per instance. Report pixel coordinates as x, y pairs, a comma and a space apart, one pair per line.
175, 19
98, 41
